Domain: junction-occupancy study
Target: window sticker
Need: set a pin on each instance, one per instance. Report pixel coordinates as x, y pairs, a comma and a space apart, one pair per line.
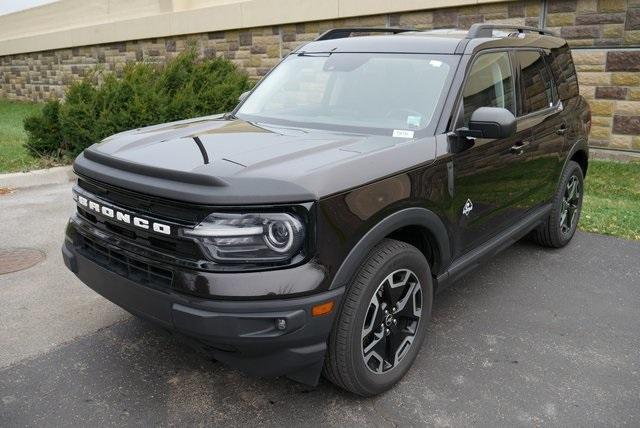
402, 133
435, 63
414, 120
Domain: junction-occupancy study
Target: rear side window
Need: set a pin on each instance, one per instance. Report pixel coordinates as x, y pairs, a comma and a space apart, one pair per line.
564, 72
489, 84
535, 81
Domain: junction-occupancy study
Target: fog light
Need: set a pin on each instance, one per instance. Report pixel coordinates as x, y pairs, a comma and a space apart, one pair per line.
281, 323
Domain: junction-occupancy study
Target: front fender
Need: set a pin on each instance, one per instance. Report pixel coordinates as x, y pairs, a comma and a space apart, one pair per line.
403, 218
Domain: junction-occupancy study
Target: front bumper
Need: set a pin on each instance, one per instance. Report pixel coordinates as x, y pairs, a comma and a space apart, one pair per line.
244, 334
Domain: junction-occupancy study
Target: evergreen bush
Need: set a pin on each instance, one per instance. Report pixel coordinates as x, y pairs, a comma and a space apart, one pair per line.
146, 94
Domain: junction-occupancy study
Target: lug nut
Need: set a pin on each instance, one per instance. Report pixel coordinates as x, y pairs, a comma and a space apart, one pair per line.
387, 331
395, 321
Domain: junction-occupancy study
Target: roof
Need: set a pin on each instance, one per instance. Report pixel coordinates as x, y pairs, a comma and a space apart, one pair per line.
401, 43
446, 41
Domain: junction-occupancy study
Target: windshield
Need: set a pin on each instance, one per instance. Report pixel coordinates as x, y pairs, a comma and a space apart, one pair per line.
382, 93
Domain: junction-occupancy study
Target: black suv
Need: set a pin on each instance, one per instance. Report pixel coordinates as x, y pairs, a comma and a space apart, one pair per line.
308, 231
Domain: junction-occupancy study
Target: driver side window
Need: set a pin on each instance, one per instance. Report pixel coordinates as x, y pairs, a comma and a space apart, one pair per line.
489, 84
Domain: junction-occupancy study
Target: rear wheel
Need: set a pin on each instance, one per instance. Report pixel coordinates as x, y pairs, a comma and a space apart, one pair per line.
383, 320
560, 226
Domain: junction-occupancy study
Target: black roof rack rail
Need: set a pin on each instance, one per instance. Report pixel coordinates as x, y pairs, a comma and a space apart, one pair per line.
486, 30
341, 33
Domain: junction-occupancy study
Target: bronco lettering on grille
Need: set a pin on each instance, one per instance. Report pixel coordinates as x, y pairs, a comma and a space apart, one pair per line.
115, 214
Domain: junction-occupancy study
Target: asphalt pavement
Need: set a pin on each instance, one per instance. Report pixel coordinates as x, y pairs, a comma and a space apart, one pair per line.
534, 337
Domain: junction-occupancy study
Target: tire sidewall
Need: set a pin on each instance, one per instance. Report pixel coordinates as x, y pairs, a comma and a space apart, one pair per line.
410, 258
572, 169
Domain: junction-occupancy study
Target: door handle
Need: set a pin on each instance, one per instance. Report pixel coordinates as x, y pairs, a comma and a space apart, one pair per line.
518, 149
562, 130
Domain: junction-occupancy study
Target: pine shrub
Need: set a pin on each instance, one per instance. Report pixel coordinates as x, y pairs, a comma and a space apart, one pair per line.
146, 94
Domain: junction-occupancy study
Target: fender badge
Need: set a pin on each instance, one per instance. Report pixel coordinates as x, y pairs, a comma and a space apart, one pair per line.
468, 206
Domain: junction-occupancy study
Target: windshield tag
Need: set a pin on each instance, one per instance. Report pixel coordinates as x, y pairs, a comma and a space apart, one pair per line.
414, 120
402, 133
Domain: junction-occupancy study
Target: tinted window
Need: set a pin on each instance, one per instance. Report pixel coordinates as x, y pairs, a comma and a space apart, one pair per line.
489, 84
537, 92
564, 72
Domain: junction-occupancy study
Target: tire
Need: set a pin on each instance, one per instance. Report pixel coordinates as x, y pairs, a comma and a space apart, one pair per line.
555, 232
392, 271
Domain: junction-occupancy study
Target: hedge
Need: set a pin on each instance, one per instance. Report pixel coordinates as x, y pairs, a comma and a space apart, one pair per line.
103, 104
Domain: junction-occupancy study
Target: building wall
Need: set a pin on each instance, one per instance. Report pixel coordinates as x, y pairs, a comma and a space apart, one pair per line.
605, 35
65, 23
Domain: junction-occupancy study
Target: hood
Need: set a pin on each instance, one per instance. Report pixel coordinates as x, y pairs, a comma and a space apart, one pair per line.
242, 162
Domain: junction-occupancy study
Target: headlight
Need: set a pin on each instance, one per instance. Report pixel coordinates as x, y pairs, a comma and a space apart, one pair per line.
250, 237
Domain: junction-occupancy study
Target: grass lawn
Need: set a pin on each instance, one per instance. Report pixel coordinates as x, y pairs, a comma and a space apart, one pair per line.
13, 155
612, 199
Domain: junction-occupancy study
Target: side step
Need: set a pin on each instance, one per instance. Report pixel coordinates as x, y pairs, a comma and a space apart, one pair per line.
501, 241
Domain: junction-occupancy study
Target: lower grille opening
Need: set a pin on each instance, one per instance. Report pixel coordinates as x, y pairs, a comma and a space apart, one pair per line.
87, 215
121, 231
117, 262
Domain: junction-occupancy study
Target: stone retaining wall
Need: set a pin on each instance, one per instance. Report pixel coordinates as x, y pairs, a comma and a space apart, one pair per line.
604, 33
610, 80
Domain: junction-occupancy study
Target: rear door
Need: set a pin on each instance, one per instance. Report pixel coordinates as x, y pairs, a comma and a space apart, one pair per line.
540, 110
490, 178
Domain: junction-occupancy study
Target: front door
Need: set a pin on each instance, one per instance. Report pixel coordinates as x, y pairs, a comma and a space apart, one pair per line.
490, 177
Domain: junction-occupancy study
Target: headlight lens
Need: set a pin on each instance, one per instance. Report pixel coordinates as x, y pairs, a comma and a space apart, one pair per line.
250, 237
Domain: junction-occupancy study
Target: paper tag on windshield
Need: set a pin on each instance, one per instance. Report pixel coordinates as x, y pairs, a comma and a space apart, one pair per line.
414, 120
401, 133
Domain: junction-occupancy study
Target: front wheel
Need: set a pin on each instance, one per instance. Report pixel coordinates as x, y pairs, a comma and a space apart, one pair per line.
560, 226
383, 320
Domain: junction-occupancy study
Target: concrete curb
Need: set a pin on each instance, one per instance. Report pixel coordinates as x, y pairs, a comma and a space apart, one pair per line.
617, 155
40, 177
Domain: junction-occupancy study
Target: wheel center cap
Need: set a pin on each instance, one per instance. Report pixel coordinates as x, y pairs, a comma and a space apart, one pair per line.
388, 320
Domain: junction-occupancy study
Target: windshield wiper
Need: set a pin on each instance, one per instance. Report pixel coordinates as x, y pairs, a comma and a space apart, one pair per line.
271, 125
315, 54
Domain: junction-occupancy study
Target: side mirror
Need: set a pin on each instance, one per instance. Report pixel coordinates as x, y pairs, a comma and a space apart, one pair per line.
490, 122
243, 95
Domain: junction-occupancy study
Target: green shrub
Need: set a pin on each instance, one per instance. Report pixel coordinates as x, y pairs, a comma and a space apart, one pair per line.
43, 131
146, 94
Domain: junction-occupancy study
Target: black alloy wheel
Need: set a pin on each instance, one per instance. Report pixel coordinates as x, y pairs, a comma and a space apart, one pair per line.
392, 320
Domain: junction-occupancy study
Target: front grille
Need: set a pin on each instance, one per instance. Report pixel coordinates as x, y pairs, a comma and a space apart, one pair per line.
177, 247
117, 262
187, 214
180, 214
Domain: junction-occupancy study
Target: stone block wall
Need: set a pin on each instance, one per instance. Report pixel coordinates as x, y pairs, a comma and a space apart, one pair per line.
610, 80
605, 35
41, 75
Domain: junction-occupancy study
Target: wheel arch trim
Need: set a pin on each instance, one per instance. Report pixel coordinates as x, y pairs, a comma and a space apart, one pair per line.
407, 217
579, 146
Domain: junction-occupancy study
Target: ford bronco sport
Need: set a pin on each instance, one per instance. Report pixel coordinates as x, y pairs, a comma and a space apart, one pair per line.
308, 231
